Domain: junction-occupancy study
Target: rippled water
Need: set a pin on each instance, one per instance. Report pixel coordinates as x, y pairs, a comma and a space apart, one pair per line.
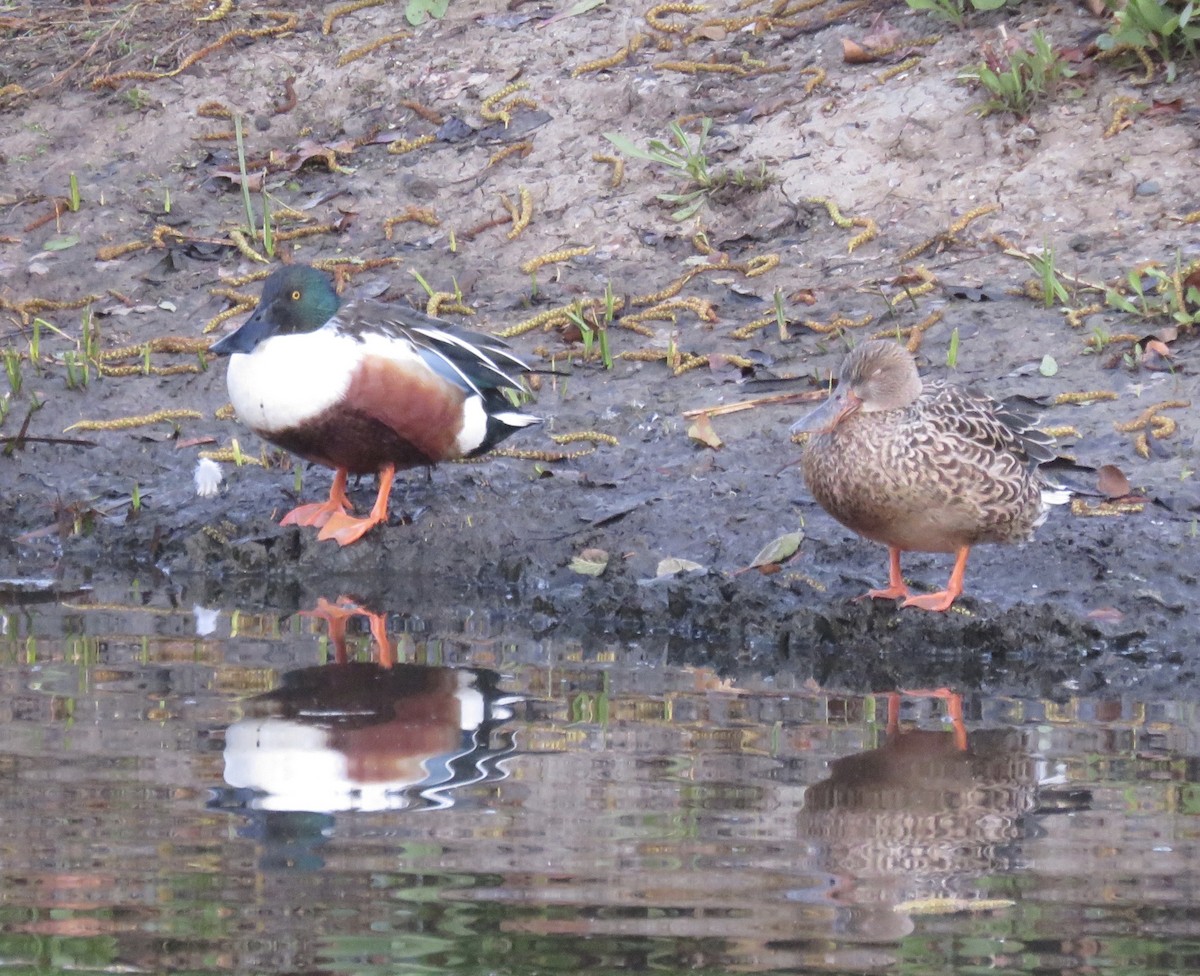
208, 790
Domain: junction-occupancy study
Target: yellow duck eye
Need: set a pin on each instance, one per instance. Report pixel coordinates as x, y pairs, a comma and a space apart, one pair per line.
296, 296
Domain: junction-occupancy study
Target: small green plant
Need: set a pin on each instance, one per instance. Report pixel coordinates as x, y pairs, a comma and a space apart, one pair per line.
954, 11
1158, 294
73, 199
952, 351
690, 163
1166, 29
416, 12
135, 500
136, 98
1054, 292
1019, 80
12, 366
167, 200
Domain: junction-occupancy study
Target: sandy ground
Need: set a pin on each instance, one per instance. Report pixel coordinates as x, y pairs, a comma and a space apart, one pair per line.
1094, 601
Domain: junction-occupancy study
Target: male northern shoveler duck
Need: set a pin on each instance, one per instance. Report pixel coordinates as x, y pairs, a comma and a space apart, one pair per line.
928, 467
364, 388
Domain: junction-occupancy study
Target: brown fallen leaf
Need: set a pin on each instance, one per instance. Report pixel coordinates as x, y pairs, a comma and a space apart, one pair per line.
702, 432
1111, 481
855, 53
590, 562
1106, 615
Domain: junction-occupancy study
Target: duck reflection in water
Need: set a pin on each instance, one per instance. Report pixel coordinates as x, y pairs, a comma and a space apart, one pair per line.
366, 736
928, 815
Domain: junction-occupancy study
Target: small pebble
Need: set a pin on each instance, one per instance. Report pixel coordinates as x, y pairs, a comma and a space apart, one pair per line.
1148, 188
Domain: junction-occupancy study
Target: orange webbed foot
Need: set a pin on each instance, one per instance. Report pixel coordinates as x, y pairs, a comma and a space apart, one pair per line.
316, 513
319, 513
938, 602
895, 588
345, 529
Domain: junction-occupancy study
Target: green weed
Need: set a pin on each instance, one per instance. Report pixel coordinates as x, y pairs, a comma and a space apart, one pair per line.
689, 162
1018, 81
1054, 292
954, 11
1166, 29
1152, 293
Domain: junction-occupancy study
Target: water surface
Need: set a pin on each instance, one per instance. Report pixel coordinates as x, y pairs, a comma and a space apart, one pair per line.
209, 790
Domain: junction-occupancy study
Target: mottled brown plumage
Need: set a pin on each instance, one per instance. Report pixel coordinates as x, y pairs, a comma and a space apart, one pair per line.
928, 467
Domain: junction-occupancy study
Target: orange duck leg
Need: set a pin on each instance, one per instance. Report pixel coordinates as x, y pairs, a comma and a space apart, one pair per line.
941, 601
318, 513
954, 707
895, 588
345, 529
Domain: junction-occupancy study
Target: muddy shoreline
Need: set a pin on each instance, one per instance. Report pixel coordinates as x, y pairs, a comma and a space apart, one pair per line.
1092, 603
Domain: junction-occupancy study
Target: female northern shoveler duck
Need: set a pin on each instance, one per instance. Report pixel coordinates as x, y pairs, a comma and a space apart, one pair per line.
925, 467
364, 387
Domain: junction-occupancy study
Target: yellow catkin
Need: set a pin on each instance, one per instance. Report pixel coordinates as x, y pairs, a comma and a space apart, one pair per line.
522, 148
656, 16
141, 420
220, 12
1062, 431
402, 146
296, 233
617, 164
120, 250
445, 303
347, 8
760, 265
1075, 316
585, 435
689, 363
611, 61
285, 22
523, 215
546, 319
750, 328
838, 323
555, 257
643, 355
231, 456
361, 52
966, 219
221, 317
898, 69
1084, 396
245, 249
698, 67
1120, 119
1148, 415
816, 76
869, 233
493, 111
413, 215
225, 412
523, 454
215, 110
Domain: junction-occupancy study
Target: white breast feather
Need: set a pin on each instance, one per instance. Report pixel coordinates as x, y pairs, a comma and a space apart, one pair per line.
289, 379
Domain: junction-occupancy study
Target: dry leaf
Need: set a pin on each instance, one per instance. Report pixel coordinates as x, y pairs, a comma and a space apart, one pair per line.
855, 53
778, 551
673, 565
1111, 481
590, 562
702, 431
1106, 615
